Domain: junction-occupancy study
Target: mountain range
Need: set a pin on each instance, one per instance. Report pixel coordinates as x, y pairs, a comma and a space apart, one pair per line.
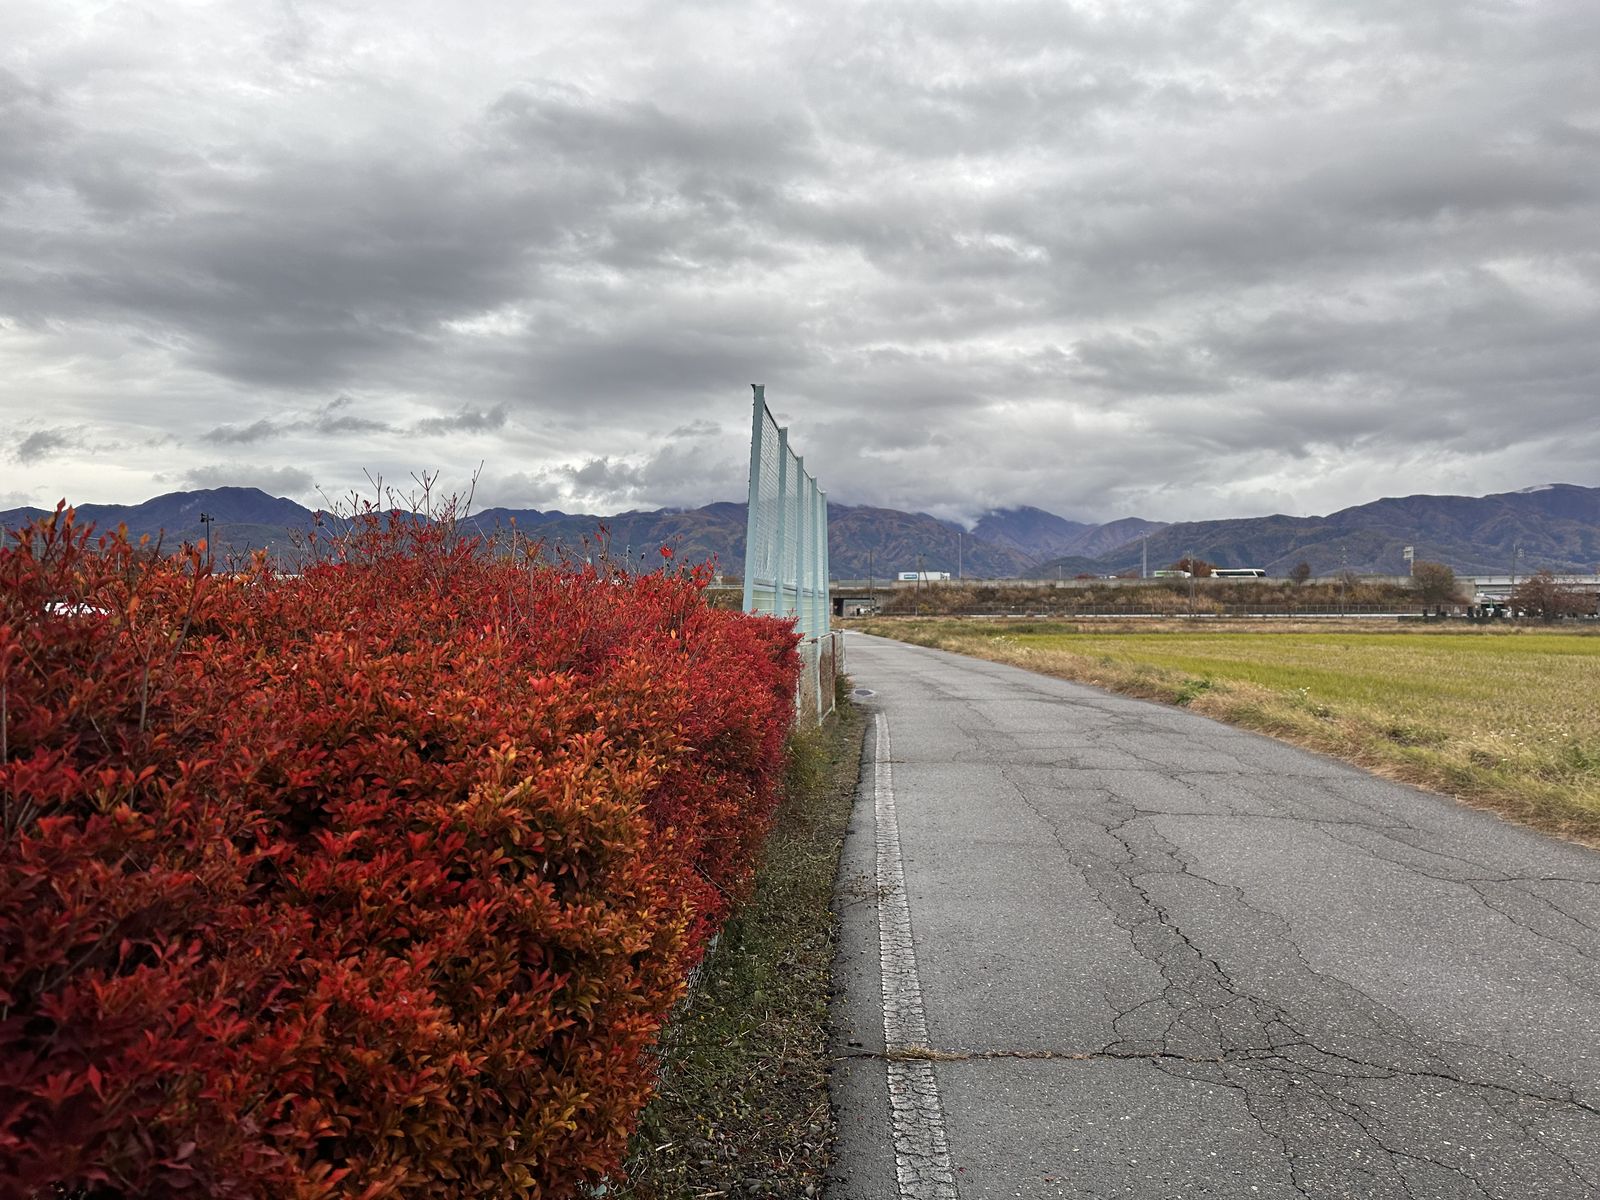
1554, 525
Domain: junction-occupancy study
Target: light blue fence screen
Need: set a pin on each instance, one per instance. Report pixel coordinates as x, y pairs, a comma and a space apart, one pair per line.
786, 544
786, 557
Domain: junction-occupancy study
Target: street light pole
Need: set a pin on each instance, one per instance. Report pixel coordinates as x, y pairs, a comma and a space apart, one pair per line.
207, 521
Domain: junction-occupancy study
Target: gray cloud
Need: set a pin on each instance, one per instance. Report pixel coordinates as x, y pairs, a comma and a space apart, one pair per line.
242, 435
277, 481
672, 474
338, 416
350, 424
42, 444
1190, 259
467, 420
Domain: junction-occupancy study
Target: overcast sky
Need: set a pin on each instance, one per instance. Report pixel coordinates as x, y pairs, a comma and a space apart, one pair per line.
1166, 259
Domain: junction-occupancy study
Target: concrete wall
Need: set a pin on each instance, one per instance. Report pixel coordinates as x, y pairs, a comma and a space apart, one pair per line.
821, 663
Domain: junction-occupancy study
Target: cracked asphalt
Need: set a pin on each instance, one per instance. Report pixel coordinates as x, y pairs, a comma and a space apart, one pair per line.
1162, 957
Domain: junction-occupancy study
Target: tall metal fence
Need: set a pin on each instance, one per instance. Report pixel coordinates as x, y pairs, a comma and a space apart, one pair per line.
786, 543
786, 554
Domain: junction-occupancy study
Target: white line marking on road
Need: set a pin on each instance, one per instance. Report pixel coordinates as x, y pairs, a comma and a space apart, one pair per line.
921, 1152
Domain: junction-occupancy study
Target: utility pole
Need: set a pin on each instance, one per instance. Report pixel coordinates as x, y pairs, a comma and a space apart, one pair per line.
1189, 558
1516, 553
1144, 556
919, 585
207, 521
1343, 579
959, 569
872, 595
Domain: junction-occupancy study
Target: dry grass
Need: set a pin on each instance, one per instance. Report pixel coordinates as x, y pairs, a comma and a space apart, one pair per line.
742, 1110
1505, 719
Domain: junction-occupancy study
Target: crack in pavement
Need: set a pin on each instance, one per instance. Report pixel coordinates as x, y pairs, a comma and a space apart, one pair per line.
1324, 1073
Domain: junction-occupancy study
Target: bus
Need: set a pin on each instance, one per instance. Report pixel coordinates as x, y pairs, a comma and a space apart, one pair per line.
1238, 573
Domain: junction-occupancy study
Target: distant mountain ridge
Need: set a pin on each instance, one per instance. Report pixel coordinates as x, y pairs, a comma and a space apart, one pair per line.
1555, 525
1037, 533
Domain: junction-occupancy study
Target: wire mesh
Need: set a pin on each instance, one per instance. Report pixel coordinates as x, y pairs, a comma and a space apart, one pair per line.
763, 542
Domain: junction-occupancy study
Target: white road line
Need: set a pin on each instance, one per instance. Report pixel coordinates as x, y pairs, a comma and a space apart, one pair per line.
921, 1152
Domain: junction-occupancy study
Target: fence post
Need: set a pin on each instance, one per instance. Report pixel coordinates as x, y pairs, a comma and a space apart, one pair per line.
822, 608
802, 597
827, 570
753, 506
780, 562
811, 556
806, 582
834, 640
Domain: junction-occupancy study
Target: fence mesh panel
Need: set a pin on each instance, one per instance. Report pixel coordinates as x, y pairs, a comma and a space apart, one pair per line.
791, 531
762, 553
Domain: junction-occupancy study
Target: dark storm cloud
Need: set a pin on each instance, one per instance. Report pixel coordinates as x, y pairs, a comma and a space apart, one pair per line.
1101, 258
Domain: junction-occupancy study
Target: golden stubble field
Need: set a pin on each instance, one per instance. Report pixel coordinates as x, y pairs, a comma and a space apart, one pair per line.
1502, 718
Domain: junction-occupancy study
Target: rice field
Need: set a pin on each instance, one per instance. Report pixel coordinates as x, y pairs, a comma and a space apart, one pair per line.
1506, 719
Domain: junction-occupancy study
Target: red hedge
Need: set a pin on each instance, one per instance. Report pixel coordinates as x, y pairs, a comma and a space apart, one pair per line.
377, 881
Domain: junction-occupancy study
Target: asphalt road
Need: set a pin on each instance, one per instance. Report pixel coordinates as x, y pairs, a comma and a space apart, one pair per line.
1093, 946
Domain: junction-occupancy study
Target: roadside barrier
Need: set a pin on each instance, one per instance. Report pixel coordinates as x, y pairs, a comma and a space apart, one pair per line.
786, 557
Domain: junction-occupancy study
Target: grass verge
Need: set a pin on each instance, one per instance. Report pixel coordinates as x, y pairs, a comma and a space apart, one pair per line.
1507, 720
743, 1105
